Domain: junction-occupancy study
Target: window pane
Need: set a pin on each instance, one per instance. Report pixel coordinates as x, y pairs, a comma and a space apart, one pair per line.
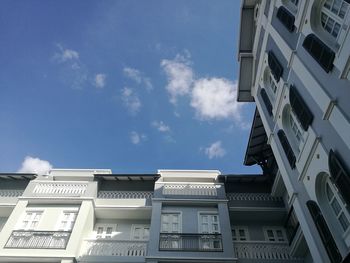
329, 192
109, 230
343, 9
344, 221
327, 4
336, 207
336, 6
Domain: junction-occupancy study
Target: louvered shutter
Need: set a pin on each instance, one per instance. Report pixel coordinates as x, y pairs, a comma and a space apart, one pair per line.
286, 18
267, 101
275, 66
287, 148
300, 108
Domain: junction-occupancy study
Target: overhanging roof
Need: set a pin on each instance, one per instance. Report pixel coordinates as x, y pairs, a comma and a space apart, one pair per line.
128, 177
17, 176
258, 150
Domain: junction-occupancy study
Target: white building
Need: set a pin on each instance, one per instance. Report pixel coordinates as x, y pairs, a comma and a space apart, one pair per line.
295, 65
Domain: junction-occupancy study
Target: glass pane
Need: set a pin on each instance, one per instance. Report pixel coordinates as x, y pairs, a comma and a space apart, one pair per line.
241, 232
329, 192
175, 227
215, 219
336, 6
270, 233
99, 230
328, 4
324, 18
146, 233
165, 227
336, 30
344, 221
343, 9
205, 219
109, 230
175, 218
329, 25
336, 207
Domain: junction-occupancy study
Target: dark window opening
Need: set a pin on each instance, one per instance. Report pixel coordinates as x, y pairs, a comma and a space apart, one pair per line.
320, 52
286, 18
287, 148
275, 66
267, 101
300, 108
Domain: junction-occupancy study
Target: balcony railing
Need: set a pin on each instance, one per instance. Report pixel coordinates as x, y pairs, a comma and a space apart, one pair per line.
38, 239
190, 242
206, 190
59, 189
125, 194
262, 250
11, 192
110, 247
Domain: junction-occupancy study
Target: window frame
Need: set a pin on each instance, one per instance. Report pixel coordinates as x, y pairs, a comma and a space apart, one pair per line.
274, 230
210, 223
141, 226
104, 234
34, 212
179, 213
73, 214
246, 236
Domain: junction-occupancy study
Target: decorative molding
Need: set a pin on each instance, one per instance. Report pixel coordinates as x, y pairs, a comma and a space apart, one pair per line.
253, 197
190, 189
125, 194
60, 189
11, 192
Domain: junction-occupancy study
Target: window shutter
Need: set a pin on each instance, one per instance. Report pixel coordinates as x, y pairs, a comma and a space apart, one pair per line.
319, 51
340, 175
300, 108
275, 66
287, 148
324, 232
267, 101
286, 18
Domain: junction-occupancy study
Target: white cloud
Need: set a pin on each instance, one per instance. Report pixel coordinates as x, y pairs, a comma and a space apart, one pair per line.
131, 100
138, 77
161, 126
100, 80
136, 138
179, 74
35, 165
215, 98
65, 54
215, 150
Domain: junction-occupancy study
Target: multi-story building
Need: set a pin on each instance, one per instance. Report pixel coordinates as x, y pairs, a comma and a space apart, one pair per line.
295, 65
171, 216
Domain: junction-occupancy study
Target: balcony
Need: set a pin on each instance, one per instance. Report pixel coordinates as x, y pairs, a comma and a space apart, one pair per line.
254, 200
190, 242
110, 247
263, 251
38, 239
125, 194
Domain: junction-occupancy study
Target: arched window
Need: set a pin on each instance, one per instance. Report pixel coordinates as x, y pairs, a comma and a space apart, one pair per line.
324, 232
337, 205
333, 14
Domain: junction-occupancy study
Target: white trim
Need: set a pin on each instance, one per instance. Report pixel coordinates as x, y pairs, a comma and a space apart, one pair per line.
171, 212
104, 227
215, 213
143, 227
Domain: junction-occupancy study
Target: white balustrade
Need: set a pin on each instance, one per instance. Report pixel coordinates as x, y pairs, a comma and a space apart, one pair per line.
11, 192
125, 194
60, 189
110, 247
190, 189
252, 197
262, 250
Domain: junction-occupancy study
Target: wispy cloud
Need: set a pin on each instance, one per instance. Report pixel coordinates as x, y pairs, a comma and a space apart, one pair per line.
131, 100
211, 98
161, 126
138, 77
137, 138
100, 80
215, 150
73, 72
35, 165
215, 98
65, 54
179, 74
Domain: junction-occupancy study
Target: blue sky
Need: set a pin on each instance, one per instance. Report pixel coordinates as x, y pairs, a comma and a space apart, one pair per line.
133, 86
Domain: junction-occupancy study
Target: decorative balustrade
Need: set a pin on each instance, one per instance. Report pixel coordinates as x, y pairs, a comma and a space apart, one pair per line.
253, 197
190, 242
110, 247
207, 190
38, 239
262, 250
11, 192
60, 189
125, 194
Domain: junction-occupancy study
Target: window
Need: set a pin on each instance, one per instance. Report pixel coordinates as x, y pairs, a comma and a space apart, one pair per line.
31, 220
332, 16
286, 18
300, 108
240, 233
270, 84
324, 232
266, 101
67, 221
171, 223
340, 175
275, 234
337, 206
287, 148
275, 66
105, 230
140, 232
296, 129
319, 51
209, 223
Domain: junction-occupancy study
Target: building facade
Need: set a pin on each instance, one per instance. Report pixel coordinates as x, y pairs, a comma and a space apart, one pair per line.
295, 65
